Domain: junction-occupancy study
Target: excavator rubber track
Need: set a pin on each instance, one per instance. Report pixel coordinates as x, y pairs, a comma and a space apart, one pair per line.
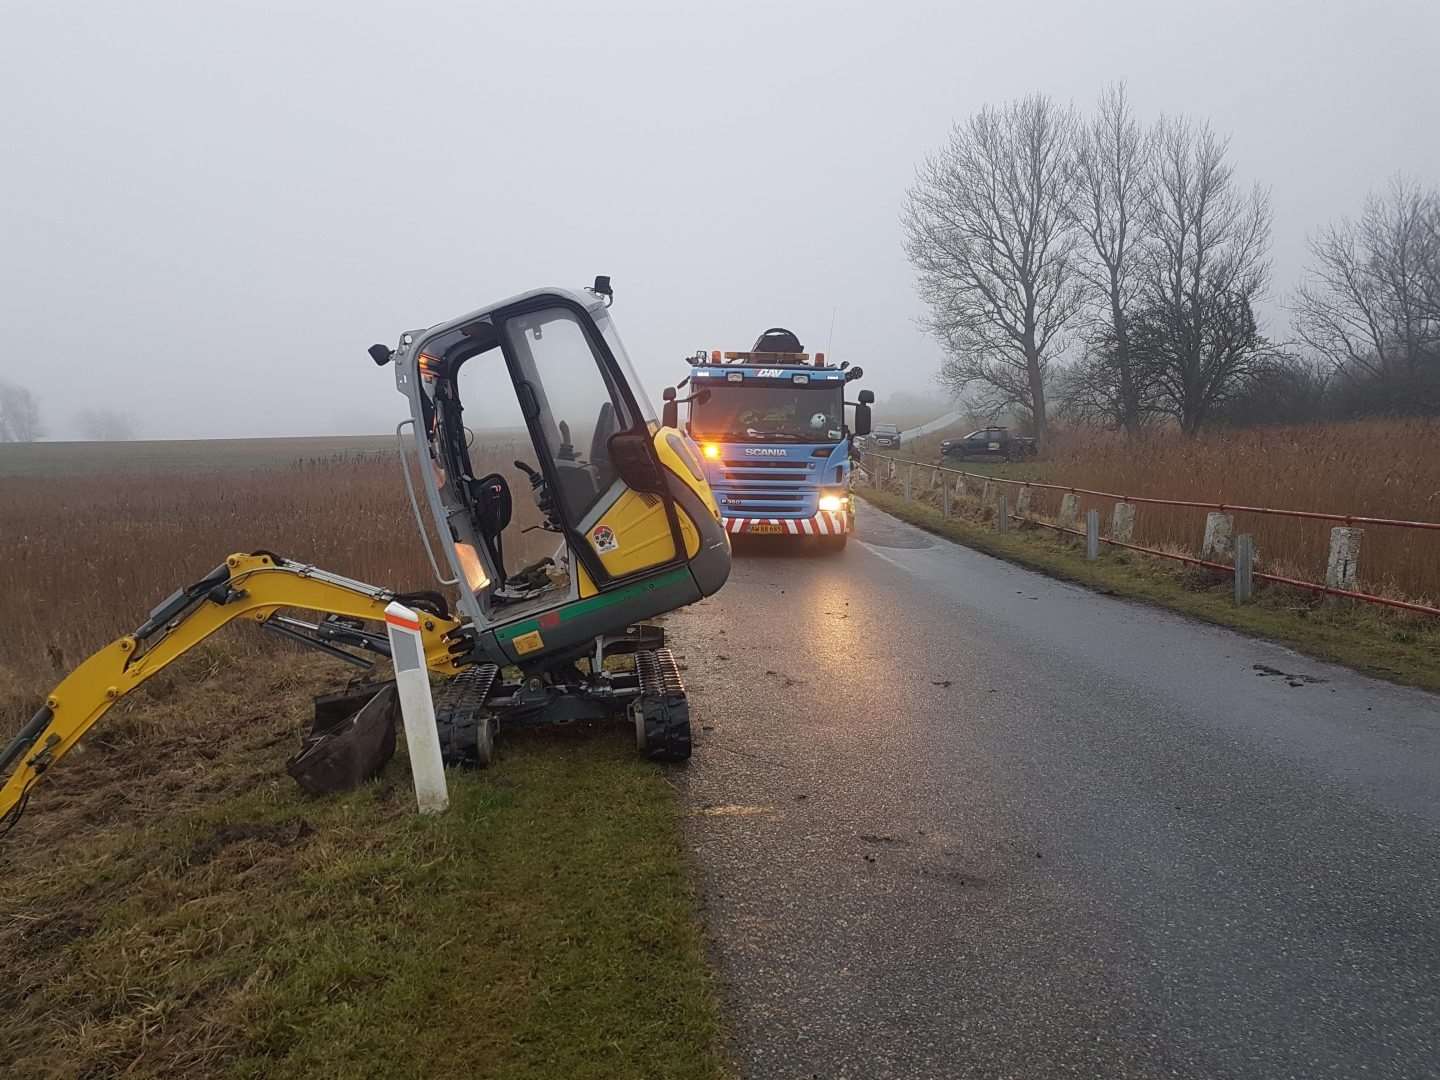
465, 722
662, 712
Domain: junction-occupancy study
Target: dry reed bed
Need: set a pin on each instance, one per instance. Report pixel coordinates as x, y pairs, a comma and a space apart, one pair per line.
86, 557
1374, 468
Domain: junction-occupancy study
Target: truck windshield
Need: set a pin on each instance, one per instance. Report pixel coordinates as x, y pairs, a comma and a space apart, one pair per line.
735, 411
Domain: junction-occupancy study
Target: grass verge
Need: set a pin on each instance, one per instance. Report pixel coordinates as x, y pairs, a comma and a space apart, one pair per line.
173, 905
1402, 648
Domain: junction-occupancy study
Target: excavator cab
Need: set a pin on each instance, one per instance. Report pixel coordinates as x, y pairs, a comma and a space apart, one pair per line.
534, 400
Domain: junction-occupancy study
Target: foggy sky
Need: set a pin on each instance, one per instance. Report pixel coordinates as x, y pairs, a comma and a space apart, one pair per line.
209, 210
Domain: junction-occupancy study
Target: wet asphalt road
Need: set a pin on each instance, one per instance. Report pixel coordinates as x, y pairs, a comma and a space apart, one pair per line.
954, 819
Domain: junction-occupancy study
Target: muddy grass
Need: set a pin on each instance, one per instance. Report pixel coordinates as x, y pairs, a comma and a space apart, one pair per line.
172, 905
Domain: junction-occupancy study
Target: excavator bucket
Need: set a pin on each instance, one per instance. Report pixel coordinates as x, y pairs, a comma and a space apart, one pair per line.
351, 740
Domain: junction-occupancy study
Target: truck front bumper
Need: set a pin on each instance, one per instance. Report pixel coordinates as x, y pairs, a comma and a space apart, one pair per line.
824, 523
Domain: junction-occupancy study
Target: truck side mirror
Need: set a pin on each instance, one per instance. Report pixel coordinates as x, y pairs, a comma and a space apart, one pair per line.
669, 412
862, 415
867, 396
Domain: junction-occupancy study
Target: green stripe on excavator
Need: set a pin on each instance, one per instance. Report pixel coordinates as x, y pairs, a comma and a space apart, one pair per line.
596, 603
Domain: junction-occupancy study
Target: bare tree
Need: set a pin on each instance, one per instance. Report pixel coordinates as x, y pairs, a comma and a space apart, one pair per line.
1205, 265
989, 232
19, 414
106, 425
1113, 184
1430, 258
1370, 304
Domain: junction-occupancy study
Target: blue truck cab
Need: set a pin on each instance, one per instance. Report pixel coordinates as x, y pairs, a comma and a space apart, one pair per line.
771, 428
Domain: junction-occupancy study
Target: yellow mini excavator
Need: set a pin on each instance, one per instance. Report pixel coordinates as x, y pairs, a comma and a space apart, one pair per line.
636, 530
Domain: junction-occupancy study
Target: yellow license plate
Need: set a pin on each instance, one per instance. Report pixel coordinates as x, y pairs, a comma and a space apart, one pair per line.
766, 529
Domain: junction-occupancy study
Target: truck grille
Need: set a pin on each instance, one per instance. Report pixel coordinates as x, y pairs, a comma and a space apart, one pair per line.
760, 487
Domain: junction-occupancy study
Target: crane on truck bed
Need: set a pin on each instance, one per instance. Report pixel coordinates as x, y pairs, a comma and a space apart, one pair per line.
637, 534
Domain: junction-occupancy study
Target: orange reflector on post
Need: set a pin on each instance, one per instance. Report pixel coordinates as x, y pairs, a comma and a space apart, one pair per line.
396, 619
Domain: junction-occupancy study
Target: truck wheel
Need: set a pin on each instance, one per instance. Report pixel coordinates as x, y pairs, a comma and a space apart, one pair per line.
834, 544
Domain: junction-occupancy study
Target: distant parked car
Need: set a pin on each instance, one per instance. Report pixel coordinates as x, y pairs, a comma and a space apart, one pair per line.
885, 436
990, 442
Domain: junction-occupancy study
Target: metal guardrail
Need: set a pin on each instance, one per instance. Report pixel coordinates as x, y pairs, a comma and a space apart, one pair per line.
1229, 508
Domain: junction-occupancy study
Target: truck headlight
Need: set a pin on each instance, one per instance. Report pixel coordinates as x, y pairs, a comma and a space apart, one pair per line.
833, 503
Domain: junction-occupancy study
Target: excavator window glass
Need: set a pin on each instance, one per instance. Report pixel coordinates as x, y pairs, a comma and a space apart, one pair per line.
578, 407
622, 358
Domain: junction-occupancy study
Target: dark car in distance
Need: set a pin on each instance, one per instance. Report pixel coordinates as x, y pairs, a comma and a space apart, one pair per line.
990, 442
885, 436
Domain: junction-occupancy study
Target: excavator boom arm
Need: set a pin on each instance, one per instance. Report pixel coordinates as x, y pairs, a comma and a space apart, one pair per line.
254, 586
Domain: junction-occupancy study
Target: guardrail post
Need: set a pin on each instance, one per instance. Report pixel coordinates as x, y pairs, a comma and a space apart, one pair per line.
1244, 568
1092, 534
934, 477
1069, 511
945, 499
987, 493
1218, 527
1022, 504
1002, 514
1122, 522
1344, 563
909, 482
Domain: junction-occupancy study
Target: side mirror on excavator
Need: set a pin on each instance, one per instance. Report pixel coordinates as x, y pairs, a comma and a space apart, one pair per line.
633, 456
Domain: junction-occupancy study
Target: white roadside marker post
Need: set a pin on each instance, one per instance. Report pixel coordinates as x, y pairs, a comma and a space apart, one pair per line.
412, 680
1244, 568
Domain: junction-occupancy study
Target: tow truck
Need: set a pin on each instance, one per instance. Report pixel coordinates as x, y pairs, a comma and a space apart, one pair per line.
771, 430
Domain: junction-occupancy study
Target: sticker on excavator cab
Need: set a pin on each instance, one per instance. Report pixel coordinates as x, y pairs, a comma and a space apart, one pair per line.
528, 643
604, 539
